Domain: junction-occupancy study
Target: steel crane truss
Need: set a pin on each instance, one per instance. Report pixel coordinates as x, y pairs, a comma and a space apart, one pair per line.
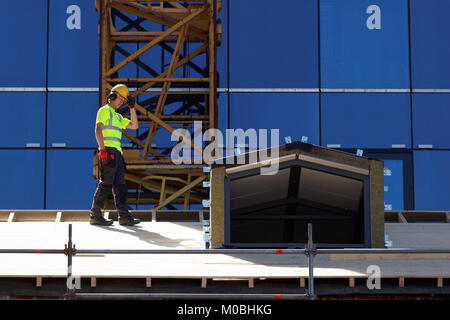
187, 32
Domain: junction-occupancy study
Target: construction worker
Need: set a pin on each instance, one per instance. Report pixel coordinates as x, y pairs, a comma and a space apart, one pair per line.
108, 132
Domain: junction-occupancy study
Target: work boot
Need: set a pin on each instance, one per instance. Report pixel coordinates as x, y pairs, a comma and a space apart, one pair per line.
97, 219
128, 220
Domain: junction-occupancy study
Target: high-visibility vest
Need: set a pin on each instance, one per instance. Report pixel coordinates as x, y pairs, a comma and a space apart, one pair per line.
112, 133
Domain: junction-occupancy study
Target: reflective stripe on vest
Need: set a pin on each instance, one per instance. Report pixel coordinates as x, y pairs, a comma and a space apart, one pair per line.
110, 125
112, 139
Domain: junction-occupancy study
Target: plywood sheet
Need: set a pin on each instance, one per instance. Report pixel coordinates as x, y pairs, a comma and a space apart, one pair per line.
188, 235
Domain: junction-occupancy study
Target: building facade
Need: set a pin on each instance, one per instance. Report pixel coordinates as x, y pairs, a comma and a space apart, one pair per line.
345, 74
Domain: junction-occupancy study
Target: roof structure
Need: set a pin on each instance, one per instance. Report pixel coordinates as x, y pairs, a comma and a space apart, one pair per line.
155, 260
267, 198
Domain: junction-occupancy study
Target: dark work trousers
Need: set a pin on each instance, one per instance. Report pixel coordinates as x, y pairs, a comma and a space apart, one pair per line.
112, 178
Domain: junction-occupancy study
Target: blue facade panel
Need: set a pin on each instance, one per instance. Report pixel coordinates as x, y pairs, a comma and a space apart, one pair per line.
73, 44
273, 48
24, 39
71, 119
70, 182
364, 45
431, 177
393, 185
431, 117
222, 111
25, 119
429, 48
366, 120
22, 173
294, 114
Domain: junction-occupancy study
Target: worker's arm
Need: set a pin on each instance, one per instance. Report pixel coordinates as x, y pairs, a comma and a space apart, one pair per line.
134, 121
99, 135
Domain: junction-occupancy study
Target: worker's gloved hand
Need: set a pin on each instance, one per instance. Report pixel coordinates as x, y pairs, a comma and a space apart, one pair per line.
130, 101
103, 155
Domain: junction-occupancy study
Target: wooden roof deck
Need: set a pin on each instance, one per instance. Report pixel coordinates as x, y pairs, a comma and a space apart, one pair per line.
206, 268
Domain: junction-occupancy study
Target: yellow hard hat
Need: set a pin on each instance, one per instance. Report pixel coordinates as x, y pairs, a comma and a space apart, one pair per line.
122, 90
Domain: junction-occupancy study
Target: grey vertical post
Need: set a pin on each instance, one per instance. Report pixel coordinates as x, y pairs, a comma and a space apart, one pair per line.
310, 251
69, 251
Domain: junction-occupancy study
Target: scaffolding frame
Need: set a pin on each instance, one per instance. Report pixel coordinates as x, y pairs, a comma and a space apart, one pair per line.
310, 251
151, 174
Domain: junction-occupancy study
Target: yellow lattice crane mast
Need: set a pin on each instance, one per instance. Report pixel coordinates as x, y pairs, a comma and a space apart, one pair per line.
180, 95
